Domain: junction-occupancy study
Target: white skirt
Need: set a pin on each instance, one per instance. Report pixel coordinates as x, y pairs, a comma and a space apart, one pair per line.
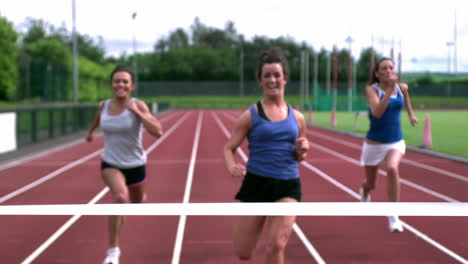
374, 154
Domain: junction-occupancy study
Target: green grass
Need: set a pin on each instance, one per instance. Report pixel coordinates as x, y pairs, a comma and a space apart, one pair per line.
449, 128
439, 102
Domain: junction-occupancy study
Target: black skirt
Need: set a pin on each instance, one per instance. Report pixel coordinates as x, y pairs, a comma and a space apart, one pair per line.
257, 188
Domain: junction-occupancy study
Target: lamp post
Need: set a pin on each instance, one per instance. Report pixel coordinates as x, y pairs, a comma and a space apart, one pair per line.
350, 40
75, 55
449, 86
241, 69
449, 44
135, 63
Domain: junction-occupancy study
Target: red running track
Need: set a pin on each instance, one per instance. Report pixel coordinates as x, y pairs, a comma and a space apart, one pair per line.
187, 166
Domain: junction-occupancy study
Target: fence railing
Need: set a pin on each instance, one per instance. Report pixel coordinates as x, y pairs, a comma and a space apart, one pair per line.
41, 123
36, 124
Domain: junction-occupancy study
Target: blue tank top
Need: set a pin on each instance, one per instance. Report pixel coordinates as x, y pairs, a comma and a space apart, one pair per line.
387, 128
272, 146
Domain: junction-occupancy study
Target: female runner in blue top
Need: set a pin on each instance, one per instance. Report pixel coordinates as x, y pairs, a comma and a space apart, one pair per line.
123, 161
277, 142
384, 140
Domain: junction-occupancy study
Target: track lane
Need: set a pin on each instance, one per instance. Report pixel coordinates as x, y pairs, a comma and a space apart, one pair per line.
299, 247
84, 183
445, 180
344, 172
371, 242
145, 239
28, 173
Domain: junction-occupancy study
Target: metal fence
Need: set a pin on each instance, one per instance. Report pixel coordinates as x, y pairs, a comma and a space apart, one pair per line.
38, 124
42, 79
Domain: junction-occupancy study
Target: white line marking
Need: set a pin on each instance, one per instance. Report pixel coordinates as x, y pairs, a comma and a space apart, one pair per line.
357, 196
38, 155
404, 160
403, 181
308, 245
216, 209
296, 227
188, 188
410, 228
60, 231
65, 168
49, 176
434, 243
73, 219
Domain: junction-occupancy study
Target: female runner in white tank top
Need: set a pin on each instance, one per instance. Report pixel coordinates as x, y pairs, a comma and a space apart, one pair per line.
123, 160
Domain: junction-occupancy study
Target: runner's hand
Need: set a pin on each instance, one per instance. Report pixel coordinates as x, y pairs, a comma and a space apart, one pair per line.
238, 170
302, 147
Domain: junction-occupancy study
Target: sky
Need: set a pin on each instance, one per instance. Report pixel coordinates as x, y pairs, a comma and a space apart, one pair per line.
420, 30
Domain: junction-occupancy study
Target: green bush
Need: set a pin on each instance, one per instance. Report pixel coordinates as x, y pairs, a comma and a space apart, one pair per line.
8, 65
94, 80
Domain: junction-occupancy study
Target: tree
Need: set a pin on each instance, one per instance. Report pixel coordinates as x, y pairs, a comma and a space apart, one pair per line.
89, 48
178, 39
198, 31
52, 50
363, 65
343, 60
37, 30
212, 37
8, 66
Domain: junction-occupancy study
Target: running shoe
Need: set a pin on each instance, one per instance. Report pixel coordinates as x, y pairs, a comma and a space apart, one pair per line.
364, 199
394, 224
112, 257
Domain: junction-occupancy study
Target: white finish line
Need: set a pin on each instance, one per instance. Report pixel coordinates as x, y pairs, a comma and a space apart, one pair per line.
299, 209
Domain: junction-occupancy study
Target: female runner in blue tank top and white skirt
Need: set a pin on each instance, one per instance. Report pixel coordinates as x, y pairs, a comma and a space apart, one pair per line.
123, 160
277, 140
384, 141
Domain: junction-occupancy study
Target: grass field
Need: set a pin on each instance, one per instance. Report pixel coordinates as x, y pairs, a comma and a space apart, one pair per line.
449, 128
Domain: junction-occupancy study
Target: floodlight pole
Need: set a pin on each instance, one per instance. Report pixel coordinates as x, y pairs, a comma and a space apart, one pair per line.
135, 63
335, 76
75, 55
241, 70
455, 44
350, 40
449, 44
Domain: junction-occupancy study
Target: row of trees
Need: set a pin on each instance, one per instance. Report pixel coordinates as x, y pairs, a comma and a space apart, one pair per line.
201, 53
206, 53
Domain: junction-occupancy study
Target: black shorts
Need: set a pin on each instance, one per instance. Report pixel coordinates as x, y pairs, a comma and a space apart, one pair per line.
133, 176
263, 189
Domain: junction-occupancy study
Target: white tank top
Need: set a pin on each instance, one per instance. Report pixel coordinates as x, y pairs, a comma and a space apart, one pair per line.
122, 138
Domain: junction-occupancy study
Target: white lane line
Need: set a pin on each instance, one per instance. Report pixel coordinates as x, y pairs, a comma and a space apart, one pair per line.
60, 171
313, 252
403, 181
60, 231
409, 227
434, 243
308, 244
357, 196
74, 218
38, 155
188, 188
404, 160
49, 176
